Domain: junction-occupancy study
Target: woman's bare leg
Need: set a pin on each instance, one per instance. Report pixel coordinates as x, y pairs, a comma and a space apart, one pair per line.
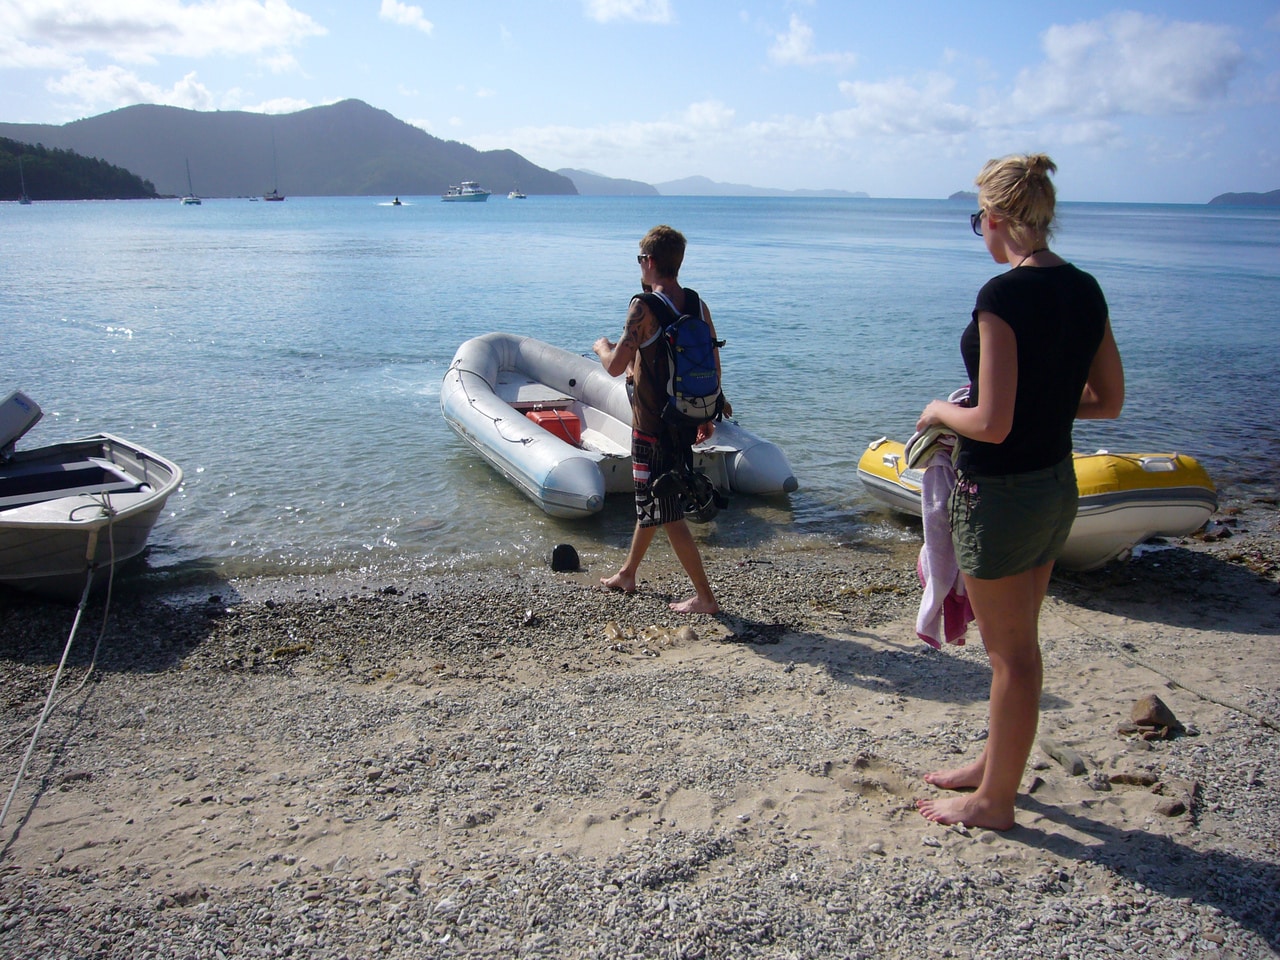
1008, 613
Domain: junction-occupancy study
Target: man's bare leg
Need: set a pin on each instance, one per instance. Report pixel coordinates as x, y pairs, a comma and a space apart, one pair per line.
682, 542
625, 578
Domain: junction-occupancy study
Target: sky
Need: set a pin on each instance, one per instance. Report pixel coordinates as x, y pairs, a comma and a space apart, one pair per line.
1136, 101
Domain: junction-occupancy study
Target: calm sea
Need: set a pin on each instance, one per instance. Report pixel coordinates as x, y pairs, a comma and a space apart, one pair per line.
289, 355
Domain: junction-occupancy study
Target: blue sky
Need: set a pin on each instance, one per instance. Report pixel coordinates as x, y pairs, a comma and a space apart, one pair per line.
1136, 101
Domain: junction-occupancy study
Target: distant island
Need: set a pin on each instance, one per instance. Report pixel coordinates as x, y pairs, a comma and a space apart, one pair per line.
64, 175
967, 195
591, 184
1271, 199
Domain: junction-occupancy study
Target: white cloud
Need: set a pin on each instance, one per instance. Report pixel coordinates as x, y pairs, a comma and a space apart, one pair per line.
642, 11
897, 108
143, 30
279, 105
795, 48
709, 115
1088, 79
406, 15
1128, 63
118, 87
97, 43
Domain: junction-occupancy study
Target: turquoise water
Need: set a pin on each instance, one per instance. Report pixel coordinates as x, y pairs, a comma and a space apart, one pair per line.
289, 356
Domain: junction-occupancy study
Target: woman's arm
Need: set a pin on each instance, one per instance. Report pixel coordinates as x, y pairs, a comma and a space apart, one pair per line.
1103, 394
992, 419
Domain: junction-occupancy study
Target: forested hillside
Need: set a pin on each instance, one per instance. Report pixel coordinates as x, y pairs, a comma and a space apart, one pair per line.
54, 174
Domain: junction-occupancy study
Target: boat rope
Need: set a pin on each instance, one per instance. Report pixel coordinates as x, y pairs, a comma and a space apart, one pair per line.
1125, 652
497, 421
49, 705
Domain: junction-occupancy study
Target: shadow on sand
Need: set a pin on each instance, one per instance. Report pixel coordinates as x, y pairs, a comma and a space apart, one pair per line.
1246, 890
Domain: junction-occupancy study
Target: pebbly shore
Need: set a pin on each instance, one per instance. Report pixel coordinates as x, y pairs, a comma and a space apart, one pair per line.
526, 766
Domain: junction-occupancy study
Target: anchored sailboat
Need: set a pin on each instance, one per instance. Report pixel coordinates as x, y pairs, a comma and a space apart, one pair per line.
275, 193
24, 198
190, 199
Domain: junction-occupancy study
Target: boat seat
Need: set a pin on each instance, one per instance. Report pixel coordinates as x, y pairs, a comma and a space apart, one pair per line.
22, 488
525, 394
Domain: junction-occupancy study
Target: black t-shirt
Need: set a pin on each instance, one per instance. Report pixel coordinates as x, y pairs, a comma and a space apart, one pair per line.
1058, 315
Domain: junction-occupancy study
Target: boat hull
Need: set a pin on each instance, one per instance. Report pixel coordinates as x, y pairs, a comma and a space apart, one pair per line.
78, 506
496, 380
1125, 498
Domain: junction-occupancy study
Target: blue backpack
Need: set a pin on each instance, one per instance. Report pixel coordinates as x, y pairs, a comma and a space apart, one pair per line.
693, 382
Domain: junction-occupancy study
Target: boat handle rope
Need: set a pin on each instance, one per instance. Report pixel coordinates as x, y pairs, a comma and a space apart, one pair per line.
497, 421
49, 705
1152, 463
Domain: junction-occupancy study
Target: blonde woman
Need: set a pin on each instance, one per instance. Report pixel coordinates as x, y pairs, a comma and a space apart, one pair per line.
1039, 353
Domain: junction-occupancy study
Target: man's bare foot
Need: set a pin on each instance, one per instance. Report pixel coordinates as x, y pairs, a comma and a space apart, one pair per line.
695, 604
967, 777
972, 811
619, 582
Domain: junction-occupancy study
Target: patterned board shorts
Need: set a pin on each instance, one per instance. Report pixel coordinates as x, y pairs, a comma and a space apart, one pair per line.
648, 462
1003, 525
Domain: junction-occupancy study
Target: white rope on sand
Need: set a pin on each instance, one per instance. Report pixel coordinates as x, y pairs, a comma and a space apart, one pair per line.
66, 652
1138, 661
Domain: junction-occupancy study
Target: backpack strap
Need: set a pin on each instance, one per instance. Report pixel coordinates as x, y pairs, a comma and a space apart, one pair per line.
655, 302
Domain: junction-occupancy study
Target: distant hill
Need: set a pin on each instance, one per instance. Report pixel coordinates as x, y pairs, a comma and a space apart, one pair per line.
1271, 199
64, 175
703, 187
967, 195
344, 149
595, 185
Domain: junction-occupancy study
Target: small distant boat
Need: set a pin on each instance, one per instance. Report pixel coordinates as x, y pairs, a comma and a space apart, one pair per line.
516, 195
1125, 498
467, 192
24, 199
275, 195
73, 508
558, 427
396, 202
190, 200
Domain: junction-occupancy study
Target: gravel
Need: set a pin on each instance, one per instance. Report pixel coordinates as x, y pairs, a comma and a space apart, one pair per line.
524, 766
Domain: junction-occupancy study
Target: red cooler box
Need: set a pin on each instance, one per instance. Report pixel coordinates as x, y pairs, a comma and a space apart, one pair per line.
563, 423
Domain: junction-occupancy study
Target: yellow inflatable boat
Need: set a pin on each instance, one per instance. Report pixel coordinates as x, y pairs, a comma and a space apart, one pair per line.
1125, 498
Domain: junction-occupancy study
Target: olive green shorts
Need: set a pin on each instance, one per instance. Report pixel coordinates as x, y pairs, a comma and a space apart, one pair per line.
1007, 524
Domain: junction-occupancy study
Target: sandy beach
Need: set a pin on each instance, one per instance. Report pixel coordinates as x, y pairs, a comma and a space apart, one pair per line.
527, 766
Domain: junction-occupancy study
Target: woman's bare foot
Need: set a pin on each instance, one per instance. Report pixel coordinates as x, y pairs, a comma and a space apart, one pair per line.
619, 581
972, 811
695, 604
967, 777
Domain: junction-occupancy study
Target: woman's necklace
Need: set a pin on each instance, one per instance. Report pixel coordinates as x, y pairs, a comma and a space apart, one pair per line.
1030, 255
